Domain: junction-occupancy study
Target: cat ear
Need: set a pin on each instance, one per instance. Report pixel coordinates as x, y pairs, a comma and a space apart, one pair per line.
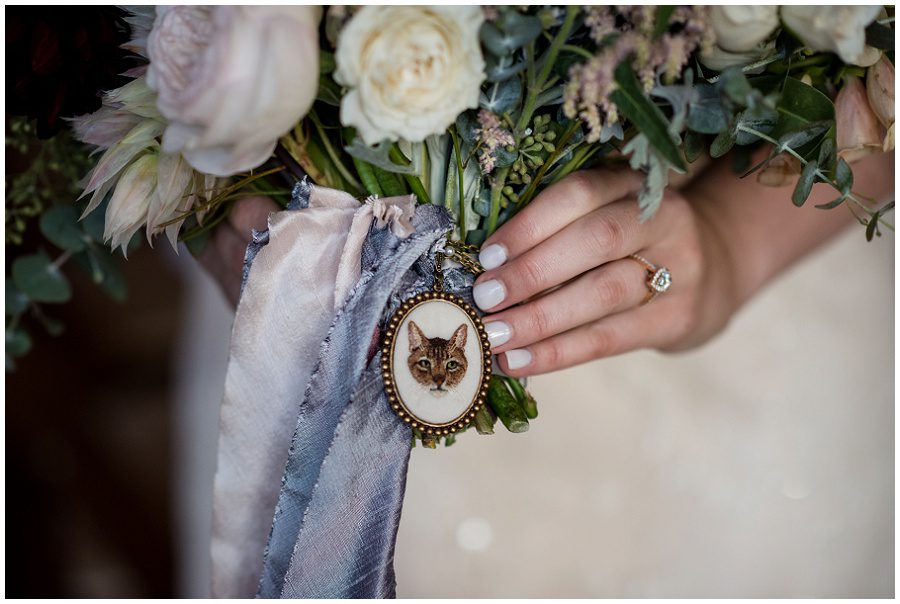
416, 337
458, 339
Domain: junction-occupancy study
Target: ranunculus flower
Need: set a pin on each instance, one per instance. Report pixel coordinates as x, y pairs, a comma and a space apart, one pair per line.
858, 130
232, 80
880, 92
410, 70
838, 29
742, 28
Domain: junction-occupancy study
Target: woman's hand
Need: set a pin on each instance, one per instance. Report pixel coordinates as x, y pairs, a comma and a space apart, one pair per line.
560, 289
223, 256
576, 237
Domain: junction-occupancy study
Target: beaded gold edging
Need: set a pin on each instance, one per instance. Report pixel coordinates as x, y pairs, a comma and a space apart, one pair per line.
387, 355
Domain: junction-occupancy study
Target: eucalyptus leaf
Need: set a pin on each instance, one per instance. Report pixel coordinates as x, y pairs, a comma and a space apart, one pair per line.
377, 155
504, 158
18, 342
502, 69
501, 97
832, 204
16, 301
511, 31
796, 139
38, 278
646, 116
735, 85
60, 225
843, 177
872, 227
466, 125
707, 113
103, 267
482, 204
798, 104
805, 183
694, 144
723, 143
826, 153
112, 281
759, 118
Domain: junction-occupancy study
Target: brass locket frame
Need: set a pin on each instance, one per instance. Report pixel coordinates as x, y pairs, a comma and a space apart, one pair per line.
387, 357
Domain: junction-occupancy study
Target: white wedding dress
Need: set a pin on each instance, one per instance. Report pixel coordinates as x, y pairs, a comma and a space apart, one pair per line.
760, 465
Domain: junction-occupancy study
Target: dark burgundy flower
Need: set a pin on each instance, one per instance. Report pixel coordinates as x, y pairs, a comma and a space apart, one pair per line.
58, 60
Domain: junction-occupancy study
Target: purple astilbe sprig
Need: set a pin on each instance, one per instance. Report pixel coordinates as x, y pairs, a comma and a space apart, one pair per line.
490, 137
626, 33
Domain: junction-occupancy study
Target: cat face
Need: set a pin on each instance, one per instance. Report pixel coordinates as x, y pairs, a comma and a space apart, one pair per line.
435, 363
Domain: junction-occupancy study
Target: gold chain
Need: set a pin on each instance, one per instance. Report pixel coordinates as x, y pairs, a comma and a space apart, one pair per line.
462, 253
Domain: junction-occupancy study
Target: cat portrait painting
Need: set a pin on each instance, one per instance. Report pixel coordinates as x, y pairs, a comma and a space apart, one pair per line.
437, 362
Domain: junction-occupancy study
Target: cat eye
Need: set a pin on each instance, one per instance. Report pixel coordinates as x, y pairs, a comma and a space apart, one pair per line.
453, 365
424, 364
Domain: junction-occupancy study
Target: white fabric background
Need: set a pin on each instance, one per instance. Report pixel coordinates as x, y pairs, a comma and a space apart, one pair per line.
760, 465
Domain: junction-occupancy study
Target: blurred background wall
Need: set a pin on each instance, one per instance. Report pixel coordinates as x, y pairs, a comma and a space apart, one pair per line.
760, 465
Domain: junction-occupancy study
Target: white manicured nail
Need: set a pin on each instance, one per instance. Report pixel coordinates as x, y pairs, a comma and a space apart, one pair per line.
498, 332
518, 358
492, 256
488, 294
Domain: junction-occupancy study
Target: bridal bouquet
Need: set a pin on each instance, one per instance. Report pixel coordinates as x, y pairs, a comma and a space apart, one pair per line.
474, 109
398, 139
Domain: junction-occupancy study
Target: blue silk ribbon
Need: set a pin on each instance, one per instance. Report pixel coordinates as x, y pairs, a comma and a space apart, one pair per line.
338, 511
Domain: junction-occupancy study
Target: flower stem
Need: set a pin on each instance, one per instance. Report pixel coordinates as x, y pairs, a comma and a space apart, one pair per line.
332, 154
462, 196
754, 65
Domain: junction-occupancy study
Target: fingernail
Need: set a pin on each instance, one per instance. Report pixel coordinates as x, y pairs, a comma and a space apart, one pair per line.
488, 294
518, 358
492, 256
498, 332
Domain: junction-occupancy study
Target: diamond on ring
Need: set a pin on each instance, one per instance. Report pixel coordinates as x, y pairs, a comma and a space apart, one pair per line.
661, 280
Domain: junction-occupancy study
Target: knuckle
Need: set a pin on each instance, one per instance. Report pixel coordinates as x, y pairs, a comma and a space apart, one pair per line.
551, 356
530, 274
607, 234
581, 187
526, 229
604, 341
540, 321
611, 290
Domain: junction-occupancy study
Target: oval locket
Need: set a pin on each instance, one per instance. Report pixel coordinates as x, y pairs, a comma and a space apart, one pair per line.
436, 363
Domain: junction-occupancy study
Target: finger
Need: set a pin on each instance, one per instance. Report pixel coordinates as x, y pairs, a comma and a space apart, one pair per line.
611, 288
562, 203
643, 327
606, 234
251, 213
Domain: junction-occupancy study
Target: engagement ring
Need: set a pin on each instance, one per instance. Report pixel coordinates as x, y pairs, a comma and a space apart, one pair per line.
659, 279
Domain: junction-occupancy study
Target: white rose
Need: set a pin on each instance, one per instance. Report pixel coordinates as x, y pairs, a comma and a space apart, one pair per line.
741, 28
232, 80
838, 29
410, 70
